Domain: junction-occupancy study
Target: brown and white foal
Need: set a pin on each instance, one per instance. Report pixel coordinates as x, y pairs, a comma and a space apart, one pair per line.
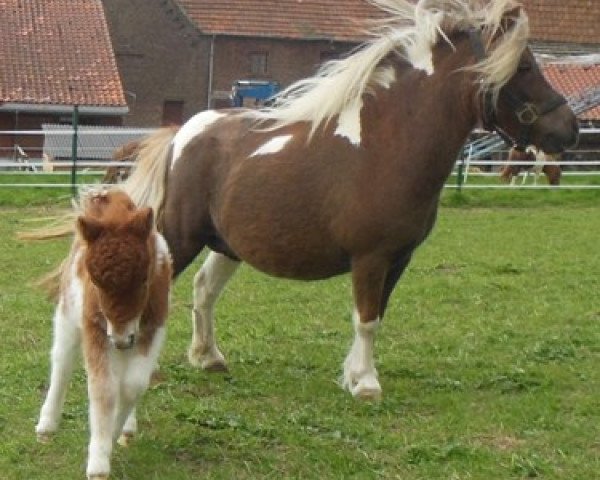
113, 300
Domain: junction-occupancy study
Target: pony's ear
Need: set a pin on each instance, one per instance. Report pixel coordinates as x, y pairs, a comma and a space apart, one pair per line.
510, 17
89, 228
142, 222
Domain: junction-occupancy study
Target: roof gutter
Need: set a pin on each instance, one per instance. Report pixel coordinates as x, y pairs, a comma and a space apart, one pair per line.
62, 109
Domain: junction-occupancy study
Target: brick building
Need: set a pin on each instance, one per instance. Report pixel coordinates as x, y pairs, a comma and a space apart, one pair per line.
181, 57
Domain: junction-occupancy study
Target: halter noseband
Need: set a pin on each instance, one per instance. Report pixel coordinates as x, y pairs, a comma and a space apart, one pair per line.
527, 113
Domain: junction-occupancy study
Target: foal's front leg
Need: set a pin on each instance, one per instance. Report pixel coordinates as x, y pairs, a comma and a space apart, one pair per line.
209, 282
103, 398
65, 348
134, 383
129, 429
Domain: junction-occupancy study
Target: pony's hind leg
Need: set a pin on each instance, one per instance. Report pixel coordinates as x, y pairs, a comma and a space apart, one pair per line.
65, 348
209, 282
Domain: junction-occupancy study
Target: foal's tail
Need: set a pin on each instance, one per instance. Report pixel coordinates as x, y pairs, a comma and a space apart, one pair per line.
147, 184
50, 282
59, 227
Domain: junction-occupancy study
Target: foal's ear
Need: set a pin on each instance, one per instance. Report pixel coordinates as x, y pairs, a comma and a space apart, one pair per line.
142, 222
89, 228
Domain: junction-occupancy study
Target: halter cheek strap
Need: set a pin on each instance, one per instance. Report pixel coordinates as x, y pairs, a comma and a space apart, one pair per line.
527, 113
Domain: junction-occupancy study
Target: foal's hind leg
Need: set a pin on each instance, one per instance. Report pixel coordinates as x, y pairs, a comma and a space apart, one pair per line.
65, 348
208, 285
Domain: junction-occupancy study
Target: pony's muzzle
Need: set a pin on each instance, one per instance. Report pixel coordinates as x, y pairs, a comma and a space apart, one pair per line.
561, 136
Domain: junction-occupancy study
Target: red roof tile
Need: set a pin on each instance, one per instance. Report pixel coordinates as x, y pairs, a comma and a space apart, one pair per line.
576, 21
574, 80
551, 20
340, 20
57, 52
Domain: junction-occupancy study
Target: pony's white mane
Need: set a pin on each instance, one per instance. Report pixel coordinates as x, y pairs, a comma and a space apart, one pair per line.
411, 30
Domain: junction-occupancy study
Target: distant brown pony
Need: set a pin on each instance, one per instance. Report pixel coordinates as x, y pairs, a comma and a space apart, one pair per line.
113, 300
537, 163
344, 172
125, 153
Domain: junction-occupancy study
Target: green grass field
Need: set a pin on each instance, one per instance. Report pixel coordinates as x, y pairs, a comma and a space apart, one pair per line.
488, 358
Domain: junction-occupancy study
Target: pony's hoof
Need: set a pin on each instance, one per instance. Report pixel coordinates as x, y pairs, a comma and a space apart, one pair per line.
97, 477
368, 390
125, 439
210, 362
215, 367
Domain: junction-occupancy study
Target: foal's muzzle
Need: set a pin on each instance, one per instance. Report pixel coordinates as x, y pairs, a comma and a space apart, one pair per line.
122, 342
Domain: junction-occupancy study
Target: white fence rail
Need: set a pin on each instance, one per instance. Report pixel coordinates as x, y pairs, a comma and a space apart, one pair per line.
32, 156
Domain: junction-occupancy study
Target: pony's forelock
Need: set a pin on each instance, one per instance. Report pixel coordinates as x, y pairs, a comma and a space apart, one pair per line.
411, 30
504, 55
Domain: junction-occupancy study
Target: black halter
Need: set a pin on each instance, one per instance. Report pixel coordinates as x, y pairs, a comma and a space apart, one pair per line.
527, 112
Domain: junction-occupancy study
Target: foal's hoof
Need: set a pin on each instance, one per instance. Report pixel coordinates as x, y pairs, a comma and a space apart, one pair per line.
367, 390
125, 439
98, 477
44, 437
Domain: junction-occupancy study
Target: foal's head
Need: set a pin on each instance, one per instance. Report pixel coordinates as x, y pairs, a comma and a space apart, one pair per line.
119, 257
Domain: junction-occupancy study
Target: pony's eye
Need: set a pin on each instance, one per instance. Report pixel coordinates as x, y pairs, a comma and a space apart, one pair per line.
524, 67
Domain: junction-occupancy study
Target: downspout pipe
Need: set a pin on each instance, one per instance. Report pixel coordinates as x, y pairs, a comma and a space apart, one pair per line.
211, 66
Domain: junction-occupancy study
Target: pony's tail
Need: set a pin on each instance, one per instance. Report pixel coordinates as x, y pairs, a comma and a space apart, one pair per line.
147, 184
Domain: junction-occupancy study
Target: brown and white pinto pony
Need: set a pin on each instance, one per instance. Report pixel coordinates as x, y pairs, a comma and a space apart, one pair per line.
537, 163
113, 301
344, 172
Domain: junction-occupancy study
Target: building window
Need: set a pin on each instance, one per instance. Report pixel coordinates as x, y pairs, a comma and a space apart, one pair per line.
259, 63
172, 113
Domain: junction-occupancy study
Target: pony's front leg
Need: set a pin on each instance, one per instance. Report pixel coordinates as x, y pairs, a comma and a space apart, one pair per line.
360, 374
64, 352
209, 282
